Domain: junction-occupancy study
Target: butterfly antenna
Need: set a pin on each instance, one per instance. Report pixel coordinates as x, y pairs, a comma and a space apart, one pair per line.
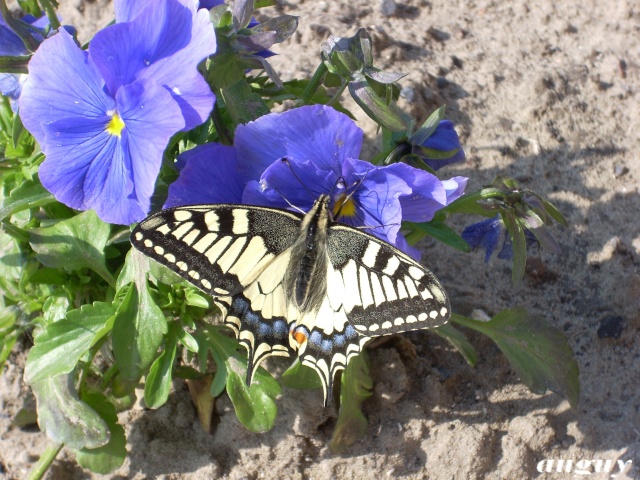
295, 207
313, 193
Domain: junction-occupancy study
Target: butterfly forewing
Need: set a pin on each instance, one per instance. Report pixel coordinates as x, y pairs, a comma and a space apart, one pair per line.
385, 291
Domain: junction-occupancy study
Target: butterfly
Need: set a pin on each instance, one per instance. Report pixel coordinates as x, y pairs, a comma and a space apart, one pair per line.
289, 283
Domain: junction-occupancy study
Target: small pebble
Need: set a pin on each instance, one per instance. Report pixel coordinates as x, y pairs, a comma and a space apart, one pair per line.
611, 327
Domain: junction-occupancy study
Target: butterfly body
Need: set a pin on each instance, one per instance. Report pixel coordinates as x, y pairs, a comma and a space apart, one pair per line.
295, 284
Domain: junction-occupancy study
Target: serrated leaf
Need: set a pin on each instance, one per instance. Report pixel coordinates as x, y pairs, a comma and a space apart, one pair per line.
356, 388
138, 331
61, 344
72, 244
537, 351
300, 377
28, 194
66, 419
158, 383
458, 340
109, 457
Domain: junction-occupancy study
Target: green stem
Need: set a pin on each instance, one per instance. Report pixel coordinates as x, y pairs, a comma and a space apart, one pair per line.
337, 95
45, 461
218, 123
313, 84
50, 11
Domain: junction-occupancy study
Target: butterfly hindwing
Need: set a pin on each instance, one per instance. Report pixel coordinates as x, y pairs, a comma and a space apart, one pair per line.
384, 290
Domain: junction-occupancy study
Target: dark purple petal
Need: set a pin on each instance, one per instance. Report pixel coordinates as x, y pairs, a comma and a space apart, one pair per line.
62, 84
315, 133
10, 43
208, 174
444, 138
485, 235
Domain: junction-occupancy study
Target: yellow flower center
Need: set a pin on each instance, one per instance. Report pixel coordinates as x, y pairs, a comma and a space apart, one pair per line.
115, 125
344, 207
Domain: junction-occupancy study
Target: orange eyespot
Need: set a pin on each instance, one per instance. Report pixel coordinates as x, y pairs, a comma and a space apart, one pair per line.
300, 337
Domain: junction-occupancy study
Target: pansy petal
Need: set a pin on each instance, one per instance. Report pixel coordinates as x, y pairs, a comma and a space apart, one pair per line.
454, 187
165, 42
444, 138
62, 83
151, 117
316, 133
289, 184
177, 69
128, 10
379, 199
209, 175
427, 196
75, 144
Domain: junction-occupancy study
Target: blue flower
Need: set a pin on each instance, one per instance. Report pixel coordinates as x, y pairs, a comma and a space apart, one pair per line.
490, 233
443, 139
286, 160
12, 46
103, 117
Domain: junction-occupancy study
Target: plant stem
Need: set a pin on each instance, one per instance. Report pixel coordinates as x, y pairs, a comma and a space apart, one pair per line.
45, 461
313, 84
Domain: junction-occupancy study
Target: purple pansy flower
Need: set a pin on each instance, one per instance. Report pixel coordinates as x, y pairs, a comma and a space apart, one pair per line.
287, 160
104, 116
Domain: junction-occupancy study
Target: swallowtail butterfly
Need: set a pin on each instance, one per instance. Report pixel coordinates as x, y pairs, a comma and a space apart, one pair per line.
295, 284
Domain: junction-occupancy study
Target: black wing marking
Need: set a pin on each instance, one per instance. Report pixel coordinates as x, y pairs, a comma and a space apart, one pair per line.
218, 248
382, 290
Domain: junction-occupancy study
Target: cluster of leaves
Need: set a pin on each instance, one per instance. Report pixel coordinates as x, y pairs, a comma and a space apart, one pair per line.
104, 318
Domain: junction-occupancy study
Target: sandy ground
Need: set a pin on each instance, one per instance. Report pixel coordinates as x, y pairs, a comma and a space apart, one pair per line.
546, 92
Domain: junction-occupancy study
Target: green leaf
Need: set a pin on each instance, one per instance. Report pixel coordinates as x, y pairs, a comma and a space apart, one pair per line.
55, 307
356, 388
428, 127
11, 258
301, 377
107, 458
61, 344
6, 345
375, 106
255, 406
29, 194
242, 104
194, 298
158, 383
75, 243
519, 243
442, 232
458, 340
49, 276
9, 315
137, 332
66, 419
537, 351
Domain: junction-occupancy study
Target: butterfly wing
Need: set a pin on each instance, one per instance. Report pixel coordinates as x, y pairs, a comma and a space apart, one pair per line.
383, 290
237, 254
